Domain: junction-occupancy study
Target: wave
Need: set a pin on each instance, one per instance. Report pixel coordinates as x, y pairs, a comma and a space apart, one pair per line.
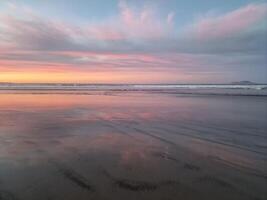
188, 89
132, 86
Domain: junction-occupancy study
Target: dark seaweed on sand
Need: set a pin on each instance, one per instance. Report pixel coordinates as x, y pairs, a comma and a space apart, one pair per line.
191, 167
73, 176
134, 185
215, 181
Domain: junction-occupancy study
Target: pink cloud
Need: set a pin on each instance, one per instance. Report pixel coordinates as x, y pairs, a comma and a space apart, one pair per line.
144, 23
230, 23
170, 18
105, 33
131, 24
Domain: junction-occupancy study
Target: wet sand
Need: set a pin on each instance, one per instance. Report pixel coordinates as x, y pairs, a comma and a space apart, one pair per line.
132, 145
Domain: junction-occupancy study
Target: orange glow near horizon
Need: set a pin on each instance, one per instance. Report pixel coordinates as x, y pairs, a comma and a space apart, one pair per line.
105, 68
53, 77
85, 77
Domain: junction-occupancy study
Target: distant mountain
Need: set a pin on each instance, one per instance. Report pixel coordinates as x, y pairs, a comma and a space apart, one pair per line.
243, 83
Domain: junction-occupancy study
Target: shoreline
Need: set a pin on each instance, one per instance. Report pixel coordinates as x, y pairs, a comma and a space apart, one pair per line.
175, 91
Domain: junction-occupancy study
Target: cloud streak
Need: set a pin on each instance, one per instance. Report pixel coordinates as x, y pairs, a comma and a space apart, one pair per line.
230, 24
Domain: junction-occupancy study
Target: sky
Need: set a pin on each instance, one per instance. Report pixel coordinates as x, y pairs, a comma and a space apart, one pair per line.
133, 41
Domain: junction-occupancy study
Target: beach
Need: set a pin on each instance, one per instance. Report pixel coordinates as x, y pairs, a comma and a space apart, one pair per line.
132, 144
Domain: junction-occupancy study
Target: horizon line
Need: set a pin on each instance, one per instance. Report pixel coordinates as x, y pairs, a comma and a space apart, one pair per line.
75, 83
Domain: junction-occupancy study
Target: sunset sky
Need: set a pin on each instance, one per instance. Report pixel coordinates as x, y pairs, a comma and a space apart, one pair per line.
134, 41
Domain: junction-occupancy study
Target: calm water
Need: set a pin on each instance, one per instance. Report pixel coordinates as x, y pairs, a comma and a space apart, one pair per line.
132, 145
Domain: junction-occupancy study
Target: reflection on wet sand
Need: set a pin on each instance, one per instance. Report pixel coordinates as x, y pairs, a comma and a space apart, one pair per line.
132, 145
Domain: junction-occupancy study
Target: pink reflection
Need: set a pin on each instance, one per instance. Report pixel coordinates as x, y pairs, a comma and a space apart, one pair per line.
130, 126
